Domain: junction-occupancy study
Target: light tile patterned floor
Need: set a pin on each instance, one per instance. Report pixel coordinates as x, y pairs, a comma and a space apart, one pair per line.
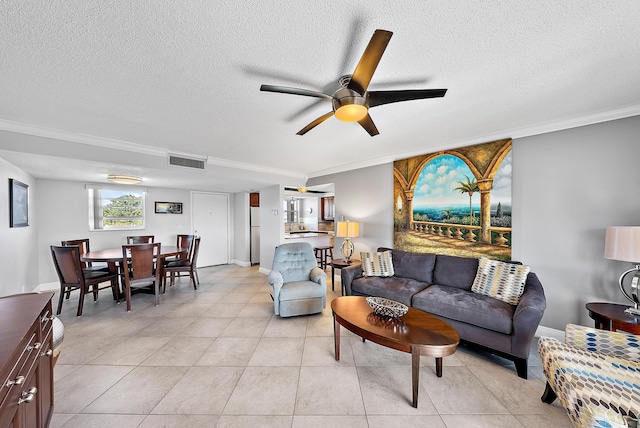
218, 357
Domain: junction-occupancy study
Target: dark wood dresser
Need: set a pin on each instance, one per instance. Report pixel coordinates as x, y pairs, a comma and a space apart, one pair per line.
26, 362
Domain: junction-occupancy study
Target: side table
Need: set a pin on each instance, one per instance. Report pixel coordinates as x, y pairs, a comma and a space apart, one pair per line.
611, 316
340, 264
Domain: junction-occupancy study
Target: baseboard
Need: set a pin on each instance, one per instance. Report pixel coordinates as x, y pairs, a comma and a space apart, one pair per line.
241, 263
550, 332
264, 270
49, 286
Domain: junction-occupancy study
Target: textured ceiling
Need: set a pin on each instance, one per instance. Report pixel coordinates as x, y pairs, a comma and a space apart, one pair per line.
91, 87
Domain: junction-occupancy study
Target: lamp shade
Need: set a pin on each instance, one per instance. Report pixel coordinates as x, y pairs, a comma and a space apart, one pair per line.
623, 243
348, 229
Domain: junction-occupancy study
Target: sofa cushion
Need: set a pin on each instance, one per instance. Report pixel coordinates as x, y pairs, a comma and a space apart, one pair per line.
376, 264
455, 271
460, 305
394, 288
418, 266
503, 281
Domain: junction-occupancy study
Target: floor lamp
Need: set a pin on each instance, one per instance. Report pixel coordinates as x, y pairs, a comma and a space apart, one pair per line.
623, 243
347, 230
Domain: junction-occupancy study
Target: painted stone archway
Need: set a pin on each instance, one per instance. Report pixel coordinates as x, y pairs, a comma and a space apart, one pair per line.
419, 229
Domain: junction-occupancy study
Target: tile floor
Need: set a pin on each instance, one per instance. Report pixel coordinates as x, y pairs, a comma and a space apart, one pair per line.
218, 357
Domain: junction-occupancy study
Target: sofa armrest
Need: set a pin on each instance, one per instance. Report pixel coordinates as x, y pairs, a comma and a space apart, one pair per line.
527, 316
611, 343
347, 275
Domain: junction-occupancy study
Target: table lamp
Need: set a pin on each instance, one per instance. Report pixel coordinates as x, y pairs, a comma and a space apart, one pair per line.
623, 243
347, 230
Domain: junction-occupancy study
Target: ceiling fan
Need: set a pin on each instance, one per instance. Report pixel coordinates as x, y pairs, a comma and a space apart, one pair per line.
352, 101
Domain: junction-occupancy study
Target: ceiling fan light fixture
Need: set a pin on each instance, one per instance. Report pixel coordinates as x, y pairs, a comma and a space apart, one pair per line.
349, 106
351, 112
124, 179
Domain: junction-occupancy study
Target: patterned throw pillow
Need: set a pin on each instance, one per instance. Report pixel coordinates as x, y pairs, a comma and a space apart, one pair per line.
377, 264
500, 280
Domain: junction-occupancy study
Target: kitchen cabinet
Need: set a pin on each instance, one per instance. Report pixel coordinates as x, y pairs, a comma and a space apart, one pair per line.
327, 208
26, 360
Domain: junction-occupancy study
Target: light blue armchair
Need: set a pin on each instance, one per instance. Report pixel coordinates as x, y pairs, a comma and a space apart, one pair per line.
299, 285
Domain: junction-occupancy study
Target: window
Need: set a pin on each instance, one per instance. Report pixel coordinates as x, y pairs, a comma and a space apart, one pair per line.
116, 209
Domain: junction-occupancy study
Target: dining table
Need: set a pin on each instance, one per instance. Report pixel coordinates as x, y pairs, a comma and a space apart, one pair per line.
112, 256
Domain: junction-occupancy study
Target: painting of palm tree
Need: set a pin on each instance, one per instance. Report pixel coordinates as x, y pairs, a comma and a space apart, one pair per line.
455, 202
470, 187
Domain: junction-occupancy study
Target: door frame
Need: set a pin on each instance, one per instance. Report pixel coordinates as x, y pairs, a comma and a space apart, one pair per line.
229, 225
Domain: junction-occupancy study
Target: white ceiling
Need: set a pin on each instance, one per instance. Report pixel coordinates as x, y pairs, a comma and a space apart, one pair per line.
91, 87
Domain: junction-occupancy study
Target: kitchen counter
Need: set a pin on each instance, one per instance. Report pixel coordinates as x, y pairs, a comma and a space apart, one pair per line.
306, 234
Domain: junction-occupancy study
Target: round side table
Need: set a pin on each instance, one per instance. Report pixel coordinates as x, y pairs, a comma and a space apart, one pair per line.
340, 264
612, 317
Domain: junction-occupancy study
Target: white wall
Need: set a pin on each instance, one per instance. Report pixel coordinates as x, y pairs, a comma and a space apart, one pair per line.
241, 237
271, 224
568, 186
63, 214
19, 249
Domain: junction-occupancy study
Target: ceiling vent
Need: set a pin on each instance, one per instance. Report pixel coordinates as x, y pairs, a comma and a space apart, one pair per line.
186, 162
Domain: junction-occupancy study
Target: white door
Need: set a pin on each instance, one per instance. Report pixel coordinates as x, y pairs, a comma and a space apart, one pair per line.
210, 214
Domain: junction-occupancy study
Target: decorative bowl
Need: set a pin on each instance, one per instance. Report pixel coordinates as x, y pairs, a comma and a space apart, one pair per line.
387, 307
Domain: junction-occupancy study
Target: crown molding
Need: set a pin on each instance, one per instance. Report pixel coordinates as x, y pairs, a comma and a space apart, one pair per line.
108, 143
538, 129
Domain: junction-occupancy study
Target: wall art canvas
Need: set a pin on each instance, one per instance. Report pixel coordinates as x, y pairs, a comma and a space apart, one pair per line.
168, 207
18, 204
455, 202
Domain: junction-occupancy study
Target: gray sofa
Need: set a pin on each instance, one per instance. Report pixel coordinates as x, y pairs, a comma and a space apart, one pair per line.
441, 285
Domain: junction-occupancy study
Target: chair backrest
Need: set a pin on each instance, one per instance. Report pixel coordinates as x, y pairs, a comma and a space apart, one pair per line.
184, 241
143, 239
294, 261
195, 248
68, 266
140, 261
84, 248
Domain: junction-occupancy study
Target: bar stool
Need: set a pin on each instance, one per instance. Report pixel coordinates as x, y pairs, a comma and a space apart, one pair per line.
323, 254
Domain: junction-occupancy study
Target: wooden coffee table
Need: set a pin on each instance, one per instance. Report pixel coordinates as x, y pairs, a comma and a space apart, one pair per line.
416, 333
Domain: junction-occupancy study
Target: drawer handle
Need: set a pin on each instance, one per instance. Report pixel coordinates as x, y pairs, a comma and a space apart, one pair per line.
19, 380
36, 345
48, 353
28, 396
46, 319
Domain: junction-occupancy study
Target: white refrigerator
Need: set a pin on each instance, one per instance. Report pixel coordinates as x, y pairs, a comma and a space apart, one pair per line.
254, 221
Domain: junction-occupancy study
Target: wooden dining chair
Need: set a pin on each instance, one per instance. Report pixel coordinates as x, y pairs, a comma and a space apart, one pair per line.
188, 265
182, 241
84, 246
142, 239
141, 270
73, 277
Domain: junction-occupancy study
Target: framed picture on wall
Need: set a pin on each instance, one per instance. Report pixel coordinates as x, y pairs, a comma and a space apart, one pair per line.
18, 204
168, 207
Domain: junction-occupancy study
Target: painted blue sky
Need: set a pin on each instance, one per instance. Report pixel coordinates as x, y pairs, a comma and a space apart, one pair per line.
439, 178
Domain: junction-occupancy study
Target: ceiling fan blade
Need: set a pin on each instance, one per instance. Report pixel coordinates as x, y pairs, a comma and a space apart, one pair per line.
369, 61
377, 98
294, 91
315, 123
368, 125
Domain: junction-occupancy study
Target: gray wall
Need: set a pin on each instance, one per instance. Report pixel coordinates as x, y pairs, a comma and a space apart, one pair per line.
271, 224
364, 195
19, 249
568, 186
